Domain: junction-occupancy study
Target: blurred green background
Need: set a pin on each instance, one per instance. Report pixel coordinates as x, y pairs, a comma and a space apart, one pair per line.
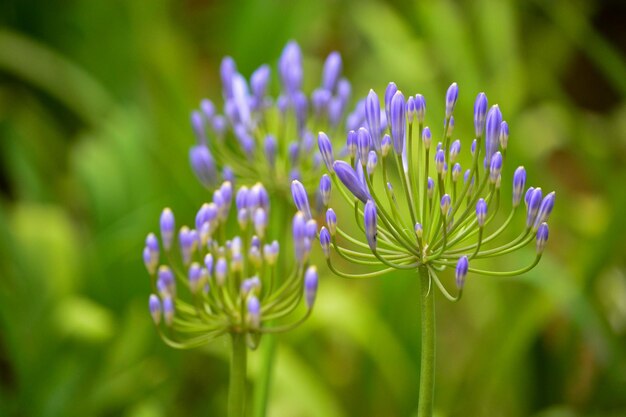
94, 133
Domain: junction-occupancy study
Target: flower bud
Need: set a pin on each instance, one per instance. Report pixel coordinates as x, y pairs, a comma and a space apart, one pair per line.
167, 228
385, 145
455, 149
430, 187
547, 204
445, 205
495, 167
534, 201
372, 160
254, 311
260, 222
398, 121
168, 309
481, 212
480, 112
389, 93
332, 70
542, 237
439, 161
351, 143
363, 144
504, 135
410, 109
221, 269
372, 117
326, 150
451, 97
420, 108
155, 308
370, 221
300, 198
419, 230
456, 172
310, 286
324, 188
492, 131
427, 137
271, 147
331, 221
195, 273
348, 177
519, 181
462, 267
325, 241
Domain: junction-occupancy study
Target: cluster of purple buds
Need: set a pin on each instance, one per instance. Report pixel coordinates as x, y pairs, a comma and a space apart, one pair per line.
205, 285
441, 218
275, 132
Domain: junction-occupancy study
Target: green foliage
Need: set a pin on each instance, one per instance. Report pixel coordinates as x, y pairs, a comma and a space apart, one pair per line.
94, 103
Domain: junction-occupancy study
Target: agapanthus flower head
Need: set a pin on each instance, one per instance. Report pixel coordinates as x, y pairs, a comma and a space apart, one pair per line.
439, 222
276, 129
229, 284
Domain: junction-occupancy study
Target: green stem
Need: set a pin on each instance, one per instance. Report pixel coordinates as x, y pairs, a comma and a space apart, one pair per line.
427, 360
237, 387
264, 380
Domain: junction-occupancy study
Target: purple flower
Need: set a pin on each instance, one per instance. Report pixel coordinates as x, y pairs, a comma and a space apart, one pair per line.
331, 221
300, 198
348, 177
451, 96
397, 119
372, 117
332, 70
420, 108
155, 308
480, 112
310, 286
324, 189
481, 212
519, 181
325, 241
203, 165
167, 228
363, 144
495, 167
542, 237
370, 221
462, 267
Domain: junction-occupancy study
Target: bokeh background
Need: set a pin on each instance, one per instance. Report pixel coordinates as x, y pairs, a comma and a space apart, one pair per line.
94, 133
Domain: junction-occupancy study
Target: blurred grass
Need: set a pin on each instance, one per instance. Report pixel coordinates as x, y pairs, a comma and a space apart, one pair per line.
94, 101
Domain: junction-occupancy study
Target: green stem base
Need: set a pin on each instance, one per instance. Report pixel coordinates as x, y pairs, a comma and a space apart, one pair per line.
237, 386
427, 360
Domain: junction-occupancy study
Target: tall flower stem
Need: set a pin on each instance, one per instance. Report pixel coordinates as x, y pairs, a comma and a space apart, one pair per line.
261, 391
237, 387
427, 360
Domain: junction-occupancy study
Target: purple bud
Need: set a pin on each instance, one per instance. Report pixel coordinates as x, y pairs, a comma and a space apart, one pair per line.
332, 70
547, 204
325, 241
419, 230
301, 107
300, 198
320, 98
481, 212
363, 144
270, 252
397, 118
349, 178
197, 124
440, 160
254, 311
528, 194
492, 134
260, 222
208, 109
228, 69
195, 273
370, 221
451, 96
473, 148
152, 243
519, 181
504, 135
301, 246
480, 112
351, 143
450, 126
310, 286
461, 272
228, 174
282, 103
410, 109
456, 172
259, 81
431, 187
270, 147
325, 187
344, 90
445, 204
150, 260
372, 116
455, 149
167, 228
168, 309
542, 237
219, 125
331, 221
390, 91
427, 137
208, 263
155, 308
290, 67
420, 108
311, 229
534, 201
165, 280
495, 167
203, 165
385, 145
241, 198
372, 160
221, 269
